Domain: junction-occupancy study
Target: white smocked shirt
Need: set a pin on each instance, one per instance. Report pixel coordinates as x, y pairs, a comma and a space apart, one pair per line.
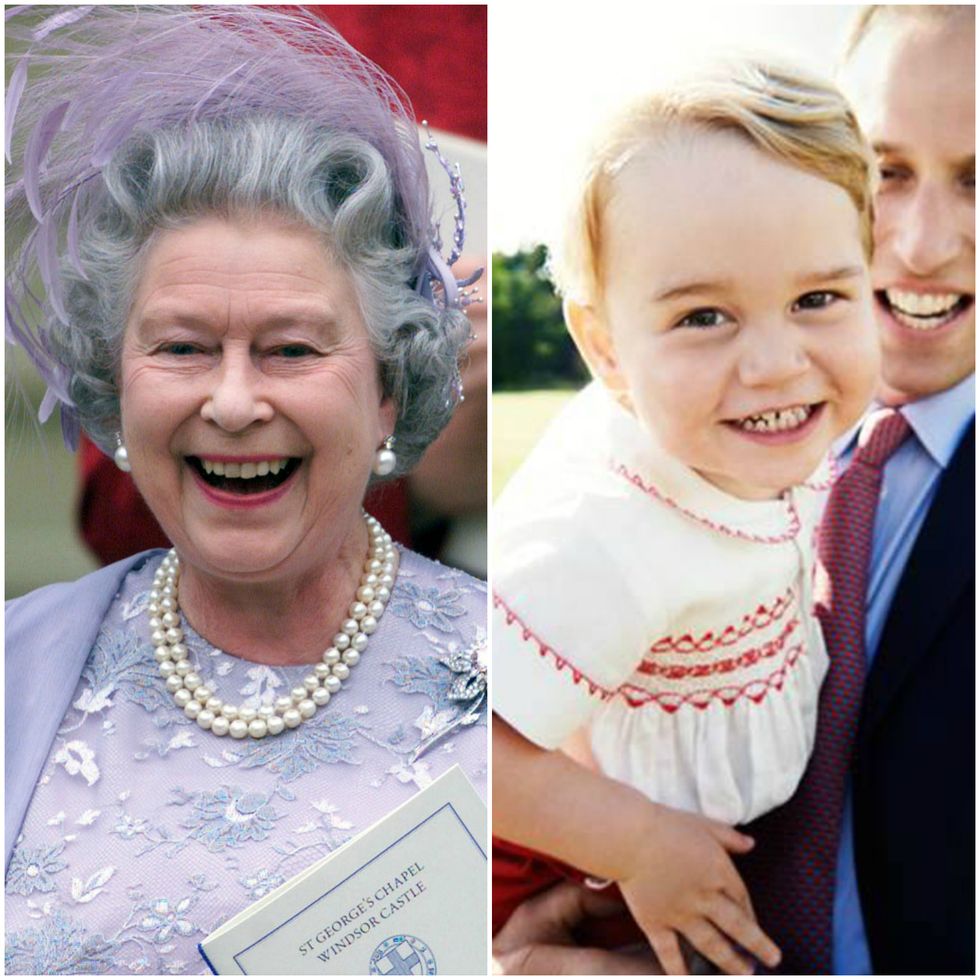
671, 619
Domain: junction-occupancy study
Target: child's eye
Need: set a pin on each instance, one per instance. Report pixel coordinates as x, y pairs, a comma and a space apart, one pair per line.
703, 318
819, 300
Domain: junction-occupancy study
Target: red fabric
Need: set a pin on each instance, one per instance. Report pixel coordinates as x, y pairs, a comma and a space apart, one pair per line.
520, 874
437, 54
115, 522
790, 874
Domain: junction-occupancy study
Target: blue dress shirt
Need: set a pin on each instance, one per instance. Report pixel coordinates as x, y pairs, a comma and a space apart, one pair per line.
911, 478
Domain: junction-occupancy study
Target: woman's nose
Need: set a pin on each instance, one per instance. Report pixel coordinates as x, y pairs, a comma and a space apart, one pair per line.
926, 235
237, 398
772, 354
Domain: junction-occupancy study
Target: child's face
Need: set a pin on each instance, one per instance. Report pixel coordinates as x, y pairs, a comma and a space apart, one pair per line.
736, 317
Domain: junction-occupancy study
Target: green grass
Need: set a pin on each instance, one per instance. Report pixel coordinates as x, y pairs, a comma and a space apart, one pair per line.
41, 482
519, 418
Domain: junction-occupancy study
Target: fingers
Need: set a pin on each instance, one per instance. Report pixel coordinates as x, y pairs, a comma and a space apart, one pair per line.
550, 917
732, 840
711, 944
668, 950
733, 921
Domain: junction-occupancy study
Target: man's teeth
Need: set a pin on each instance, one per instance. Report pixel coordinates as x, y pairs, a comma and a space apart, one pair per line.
244, 471
778, 420
922, 311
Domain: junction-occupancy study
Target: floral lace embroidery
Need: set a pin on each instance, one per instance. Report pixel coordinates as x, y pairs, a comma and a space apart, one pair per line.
246, 816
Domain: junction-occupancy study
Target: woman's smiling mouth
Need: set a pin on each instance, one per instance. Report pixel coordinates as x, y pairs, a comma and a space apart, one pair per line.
245, 477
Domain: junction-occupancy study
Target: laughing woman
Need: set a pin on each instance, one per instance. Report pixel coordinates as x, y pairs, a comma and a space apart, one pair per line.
244, 303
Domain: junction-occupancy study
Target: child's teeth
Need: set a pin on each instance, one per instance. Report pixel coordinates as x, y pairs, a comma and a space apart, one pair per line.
778, 420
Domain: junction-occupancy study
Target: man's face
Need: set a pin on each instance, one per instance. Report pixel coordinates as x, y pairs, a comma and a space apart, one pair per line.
919, 116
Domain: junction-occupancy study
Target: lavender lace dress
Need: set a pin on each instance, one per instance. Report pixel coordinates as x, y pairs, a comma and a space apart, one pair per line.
145, 833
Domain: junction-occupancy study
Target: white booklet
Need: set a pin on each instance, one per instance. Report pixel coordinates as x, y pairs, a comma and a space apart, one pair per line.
408, 896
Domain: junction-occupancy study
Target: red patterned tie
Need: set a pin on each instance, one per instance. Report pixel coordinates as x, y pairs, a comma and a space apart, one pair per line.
790, 874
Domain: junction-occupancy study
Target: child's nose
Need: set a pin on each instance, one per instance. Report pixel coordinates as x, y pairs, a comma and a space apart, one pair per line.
772, 354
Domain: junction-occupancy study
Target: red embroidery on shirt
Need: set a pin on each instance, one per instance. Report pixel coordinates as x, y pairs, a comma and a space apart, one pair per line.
834, 466
546, 650
743, 660
755, 690
652, 491
762, 617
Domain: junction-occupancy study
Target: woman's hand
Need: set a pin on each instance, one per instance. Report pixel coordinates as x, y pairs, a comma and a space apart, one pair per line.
684, 884
539, 938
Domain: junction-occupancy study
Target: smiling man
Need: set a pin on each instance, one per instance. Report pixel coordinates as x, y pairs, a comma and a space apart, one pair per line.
904, 893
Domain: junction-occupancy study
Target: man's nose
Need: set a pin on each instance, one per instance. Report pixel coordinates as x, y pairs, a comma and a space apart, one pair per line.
927, 238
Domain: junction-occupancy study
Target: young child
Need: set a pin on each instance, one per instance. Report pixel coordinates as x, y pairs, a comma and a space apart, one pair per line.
654, 556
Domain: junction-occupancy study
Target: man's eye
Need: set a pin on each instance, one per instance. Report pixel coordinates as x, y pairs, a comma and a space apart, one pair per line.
890, 174
819, 300
703, 318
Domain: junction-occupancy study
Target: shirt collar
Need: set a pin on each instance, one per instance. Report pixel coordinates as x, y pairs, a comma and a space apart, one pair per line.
938, 421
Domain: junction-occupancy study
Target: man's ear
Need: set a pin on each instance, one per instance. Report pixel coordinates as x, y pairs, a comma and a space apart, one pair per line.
595, 343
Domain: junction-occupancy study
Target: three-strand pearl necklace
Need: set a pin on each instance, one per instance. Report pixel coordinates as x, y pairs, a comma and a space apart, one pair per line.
198, 700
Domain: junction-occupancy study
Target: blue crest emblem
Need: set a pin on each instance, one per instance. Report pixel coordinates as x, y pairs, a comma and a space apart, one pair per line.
403, 956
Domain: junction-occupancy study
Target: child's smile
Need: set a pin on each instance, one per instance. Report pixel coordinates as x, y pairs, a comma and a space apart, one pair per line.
736, 311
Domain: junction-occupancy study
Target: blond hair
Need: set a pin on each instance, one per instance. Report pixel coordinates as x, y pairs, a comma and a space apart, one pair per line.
792, 116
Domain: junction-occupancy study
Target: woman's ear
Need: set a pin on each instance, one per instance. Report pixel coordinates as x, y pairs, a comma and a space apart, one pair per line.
595, 343
387, 416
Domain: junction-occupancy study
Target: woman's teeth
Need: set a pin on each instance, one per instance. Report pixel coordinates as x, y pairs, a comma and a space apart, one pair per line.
923, 311
778, 420
244, 471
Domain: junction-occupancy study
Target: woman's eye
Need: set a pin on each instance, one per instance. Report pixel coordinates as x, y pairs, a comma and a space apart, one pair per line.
819, 300
294, 350
181, 349
703, 318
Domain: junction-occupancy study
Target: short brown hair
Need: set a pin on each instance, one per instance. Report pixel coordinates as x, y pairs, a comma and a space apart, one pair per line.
874, 14
790, 115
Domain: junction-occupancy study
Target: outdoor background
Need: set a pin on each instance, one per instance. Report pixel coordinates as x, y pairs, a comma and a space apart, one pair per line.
551, 90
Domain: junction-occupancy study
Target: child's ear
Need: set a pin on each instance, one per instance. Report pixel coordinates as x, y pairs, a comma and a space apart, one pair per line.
594, 342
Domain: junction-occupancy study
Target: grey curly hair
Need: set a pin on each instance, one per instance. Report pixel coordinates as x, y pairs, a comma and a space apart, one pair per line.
336, 183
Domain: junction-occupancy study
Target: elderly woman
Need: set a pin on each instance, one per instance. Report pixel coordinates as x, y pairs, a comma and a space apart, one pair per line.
244, 302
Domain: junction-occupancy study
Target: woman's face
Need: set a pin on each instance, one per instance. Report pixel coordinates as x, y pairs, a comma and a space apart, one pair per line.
251, 403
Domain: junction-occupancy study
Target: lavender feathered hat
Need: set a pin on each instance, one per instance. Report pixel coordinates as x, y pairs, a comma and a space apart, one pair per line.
87, 78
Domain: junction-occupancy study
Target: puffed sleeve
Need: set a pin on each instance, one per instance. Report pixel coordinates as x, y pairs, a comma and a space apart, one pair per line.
568, 626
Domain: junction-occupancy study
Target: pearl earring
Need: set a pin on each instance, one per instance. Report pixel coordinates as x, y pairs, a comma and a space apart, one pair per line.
385, 458
121, 456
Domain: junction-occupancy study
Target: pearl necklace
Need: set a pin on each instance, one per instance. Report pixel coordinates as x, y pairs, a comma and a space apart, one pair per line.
198, 700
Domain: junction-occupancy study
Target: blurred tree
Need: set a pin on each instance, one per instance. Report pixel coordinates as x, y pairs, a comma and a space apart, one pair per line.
531, 348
